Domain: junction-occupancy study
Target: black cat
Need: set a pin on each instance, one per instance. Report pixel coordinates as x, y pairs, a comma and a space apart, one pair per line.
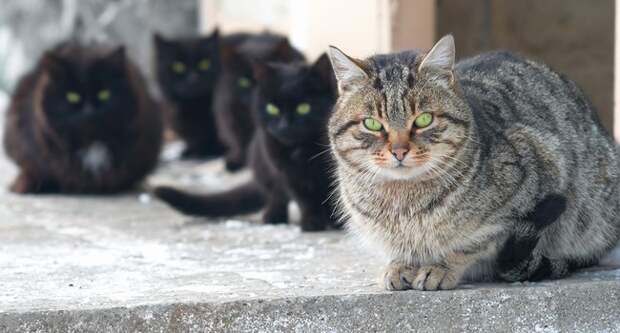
233, 93
288, 153
82, 121
187, 71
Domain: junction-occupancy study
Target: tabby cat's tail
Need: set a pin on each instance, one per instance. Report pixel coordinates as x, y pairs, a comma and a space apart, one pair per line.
245, 199
518, 260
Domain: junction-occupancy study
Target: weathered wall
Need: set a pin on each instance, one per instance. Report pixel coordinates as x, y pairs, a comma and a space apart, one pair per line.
572, 36
35, 25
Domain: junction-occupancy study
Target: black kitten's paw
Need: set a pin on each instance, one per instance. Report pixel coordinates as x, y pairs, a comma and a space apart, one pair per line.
189, 154
310, 223
275, 216
25, 184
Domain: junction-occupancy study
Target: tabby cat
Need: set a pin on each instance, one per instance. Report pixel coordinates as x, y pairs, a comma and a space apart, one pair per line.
187, 71
439, 165
233, 92
82, 122
292, 103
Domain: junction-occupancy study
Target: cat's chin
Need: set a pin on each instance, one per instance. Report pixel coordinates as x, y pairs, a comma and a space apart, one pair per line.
403, 173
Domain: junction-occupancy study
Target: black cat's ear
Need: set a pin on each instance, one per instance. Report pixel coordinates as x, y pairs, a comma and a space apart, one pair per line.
283, 51
215, 34
441, 59
52, 63
322, 69
158, 39
349, 72
162, 44
117, 57
228, 54
262, 72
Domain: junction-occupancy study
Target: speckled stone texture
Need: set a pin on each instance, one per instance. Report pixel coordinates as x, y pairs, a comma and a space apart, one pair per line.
130, 264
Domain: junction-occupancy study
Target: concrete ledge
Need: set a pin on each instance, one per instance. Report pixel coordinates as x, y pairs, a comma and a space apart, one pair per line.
567, 307
130, 264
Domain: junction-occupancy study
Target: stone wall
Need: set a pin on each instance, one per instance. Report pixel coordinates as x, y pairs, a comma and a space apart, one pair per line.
35, 25
572, 36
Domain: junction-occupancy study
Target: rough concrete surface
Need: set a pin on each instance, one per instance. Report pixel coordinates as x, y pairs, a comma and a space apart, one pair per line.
130, 264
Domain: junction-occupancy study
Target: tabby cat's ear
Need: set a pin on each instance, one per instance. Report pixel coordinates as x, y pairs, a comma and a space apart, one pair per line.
349, 73
441, 56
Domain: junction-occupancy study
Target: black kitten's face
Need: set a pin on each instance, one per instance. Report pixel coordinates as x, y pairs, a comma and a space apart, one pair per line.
188, 68
87, 93
293, 103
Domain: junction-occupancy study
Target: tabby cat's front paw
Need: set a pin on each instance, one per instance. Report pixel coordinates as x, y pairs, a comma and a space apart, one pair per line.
435, 277
398, 276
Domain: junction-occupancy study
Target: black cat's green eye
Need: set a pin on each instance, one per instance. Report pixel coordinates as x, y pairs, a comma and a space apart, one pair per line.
104, 95
423, 120
373, 124
303, 108
73, 97
244, 82
178, 67
272, 110
204, 64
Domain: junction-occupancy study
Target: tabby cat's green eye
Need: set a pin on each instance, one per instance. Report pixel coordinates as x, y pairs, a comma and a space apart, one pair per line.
423, 120
204, 64
73, 97
104, 95
373, 124
244, 82
178, 67
303, 108
272, 110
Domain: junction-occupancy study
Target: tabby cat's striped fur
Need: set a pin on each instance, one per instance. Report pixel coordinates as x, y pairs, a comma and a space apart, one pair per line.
506, 133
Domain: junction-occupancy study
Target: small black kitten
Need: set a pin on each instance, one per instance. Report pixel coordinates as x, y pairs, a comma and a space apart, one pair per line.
288, 155
187, 71
233, 93
82, 121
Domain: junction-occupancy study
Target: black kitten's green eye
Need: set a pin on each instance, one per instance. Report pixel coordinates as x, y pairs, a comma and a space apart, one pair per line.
104, 95
204, 64
373, 124
178, 67
272, 110
423, 120
303, 108
244, 82
73, 97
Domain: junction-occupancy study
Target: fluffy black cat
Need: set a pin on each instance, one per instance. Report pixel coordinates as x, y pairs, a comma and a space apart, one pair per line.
187, 71
233, 92
291, 105
82, 121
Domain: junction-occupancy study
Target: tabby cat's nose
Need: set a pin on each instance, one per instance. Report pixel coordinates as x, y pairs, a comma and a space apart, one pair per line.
399, 151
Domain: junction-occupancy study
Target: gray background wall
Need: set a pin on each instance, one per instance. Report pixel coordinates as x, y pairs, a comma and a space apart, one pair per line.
35, 25
573, 36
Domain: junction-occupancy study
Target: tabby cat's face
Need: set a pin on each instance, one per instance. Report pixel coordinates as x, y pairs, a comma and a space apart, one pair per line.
293, 101
399, 116
188, 68
86, 92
